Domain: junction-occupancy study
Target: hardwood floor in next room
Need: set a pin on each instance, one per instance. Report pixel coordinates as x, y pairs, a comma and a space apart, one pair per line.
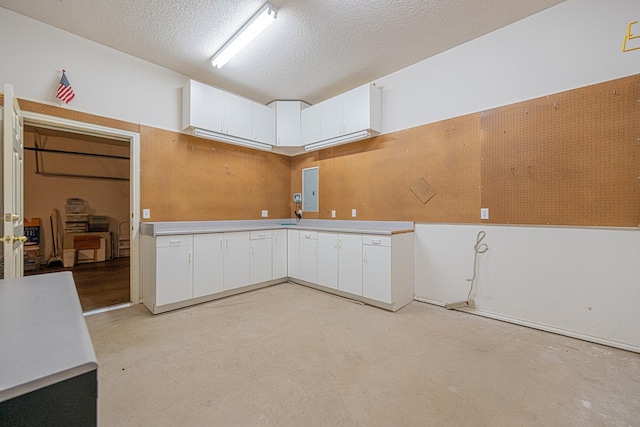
100, 284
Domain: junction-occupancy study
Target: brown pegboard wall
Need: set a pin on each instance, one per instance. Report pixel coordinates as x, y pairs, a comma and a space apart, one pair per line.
567, 159
375, 176
184, 178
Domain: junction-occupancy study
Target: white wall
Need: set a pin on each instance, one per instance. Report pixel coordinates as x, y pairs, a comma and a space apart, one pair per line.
582, 282
571, 45
106, 82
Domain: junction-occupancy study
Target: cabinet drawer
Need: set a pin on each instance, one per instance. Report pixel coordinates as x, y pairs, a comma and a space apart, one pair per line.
306, 234
173, 241
261, 234
376, 240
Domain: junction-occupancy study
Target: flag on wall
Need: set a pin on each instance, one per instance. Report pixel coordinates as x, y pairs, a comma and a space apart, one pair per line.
65, 92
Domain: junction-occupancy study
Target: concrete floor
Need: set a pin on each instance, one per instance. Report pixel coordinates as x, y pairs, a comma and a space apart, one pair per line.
292, 356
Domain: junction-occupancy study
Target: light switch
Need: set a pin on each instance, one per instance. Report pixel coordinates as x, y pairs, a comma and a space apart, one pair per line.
146, 213
333, 214
265, 213
353, 213
484, 213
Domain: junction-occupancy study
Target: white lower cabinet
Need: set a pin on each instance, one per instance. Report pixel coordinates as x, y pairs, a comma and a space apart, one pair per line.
350, 263
328, 260
261, 262
279, 254
387, 269
340, 261
293, 254
236, 260
376, 269
173, 270
309, 256
208, 264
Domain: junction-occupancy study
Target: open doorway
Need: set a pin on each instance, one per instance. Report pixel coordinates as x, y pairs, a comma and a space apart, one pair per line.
81, 182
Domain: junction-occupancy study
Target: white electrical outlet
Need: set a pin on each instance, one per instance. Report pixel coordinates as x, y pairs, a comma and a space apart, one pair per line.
265, 213
353, 213
146, 213
484, 213
333, 214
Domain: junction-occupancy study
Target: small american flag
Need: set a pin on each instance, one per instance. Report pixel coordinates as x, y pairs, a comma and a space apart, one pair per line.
65, 92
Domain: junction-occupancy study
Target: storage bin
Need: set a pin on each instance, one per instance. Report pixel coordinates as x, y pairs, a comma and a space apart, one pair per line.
98, 223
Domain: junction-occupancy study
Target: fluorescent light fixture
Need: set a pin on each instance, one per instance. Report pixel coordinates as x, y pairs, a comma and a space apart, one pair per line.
350, 137
231, 139
254, 26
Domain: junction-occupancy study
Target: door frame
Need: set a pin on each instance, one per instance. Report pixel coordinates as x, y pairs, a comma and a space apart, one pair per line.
51, 122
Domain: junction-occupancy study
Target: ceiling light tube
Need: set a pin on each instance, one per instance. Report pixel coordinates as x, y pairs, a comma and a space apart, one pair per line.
254, 26
231, 139
351, 137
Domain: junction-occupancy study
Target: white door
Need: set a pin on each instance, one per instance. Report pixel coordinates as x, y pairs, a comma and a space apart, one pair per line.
376, 273
279, 267
12, 187
208, 256
236, 260
350, 262
174, 275
261, 260
328, 260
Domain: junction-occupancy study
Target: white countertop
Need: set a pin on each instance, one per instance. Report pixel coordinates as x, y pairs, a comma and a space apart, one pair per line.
43, 334
336, 226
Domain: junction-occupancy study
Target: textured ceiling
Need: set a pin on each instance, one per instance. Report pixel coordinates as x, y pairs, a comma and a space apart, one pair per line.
314, 50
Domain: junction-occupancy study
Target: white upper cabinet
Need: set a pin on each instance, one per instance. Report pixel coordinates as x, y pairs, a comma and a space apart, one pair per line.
237, 116
202, 107
331, 113
310, 124
264, 124
353, 111
288, 117
214, 110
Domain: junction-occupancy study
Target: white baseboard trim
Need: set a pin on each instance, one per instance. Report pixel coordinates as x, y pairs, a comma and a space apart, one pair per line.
541, 327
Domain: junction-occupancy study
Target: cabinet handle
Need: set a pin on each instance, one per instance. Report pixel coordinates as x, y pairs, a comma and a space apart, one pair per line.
226, 243
262, 235
315, 249
364, 256
174, 242
340, 243
251, 249
335, 242
189, 257
221, 244
376, 241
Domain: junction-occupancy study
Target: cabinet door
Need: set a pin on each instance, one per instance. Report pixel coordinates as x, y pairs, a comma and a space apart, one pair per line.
208, 259
288, 123
328, 260
279, 266
236, 260
203, 106
309, 259
356, 108
310, 124
264, 124
376, 273
173, 269
237, 116
260, 262
293, 254
331, 118
350, 262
